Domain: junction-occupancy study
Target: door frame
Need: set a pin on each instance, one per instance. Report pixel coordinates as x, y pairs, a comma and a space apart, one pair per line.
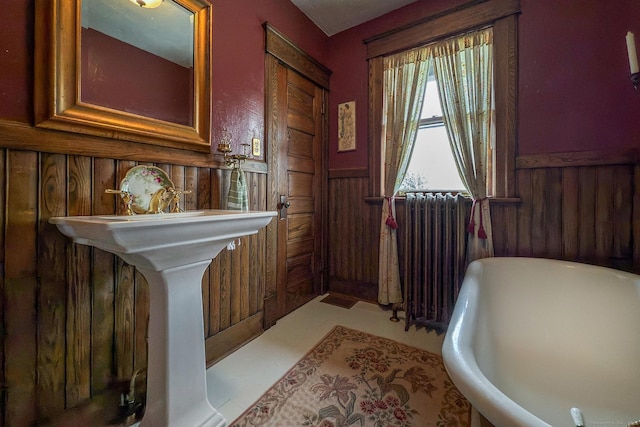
280, 50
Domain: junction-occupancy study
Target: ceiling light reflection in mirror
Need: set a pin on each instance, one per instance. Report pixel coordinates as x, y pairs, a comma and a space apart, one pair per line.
138, 60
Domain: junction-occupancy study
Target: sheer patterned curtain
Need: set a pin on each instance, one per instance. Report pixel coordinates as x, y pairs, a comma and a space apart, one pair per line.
405, 80
463, 67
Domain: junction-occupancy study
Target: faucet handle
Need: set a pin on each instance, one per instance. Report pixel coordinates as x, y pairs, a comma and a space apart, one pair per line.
175, 203
127, 199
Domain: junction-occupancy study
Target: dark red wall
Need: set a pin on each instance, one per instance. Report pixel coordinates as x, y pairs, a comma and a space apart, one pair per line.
349, 81
574, 87
575, 92
237, 60
123, 77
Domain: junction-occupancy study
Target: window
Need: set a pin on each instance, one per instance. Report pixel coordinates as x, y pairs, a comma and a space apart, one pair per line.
432, 166
501, 15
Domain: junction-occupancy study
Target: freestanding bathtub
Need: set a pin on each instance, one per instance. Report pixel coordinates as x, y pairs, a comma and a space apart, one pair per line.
531, 338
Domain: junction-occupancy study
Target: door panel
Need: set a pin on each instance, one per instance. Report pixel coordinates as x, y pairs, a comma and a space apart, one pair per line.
296, 132
300, 281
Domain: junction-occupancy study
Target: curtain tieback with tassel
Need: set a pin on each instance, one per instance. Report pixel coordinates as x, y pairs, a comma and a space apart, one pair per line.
482, 234
391, 221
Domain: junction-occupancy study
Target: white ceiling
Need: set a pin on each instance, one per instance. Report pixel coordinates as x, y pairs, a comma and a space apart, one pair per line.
334, 16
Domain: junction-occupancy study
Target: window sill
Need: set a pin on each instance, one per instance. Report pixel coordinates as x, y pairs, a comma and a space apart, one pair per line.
492, 200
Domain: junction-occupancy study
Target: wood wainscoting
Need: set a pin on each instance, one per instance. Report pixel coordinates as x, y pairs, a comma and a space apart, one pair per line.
570, 206
354, 232
74, 318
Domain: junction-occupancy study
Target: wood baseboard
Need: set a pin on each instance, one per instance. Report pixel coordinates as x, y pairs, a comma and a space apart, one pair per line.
226, 342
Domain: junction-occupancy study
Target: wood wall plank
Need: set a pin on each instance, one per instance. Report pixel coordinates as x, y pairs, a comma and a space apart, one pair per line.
78, 287
103, 281
3, 348
124, 305
20, 288
525, 213
580, 213
52, 312
623, 211
570, 212
587, 201
76, 317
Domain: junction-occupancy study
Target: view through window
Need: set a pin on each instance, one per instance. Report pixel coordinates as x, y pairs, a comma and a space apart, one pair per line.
432, 166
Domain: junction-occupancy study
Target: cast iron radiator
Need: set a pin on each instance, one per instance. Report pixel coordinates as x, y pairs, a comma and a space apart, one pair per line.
434, 256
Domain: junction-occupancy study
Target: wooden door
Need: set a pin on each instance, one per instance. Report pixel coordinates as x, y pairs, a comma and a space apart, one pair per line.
296, 143
300, 195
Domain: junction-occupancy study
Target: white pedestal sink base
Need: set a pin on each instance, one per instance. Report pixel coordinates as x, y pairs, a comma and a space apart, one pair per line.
172, 252
176, 380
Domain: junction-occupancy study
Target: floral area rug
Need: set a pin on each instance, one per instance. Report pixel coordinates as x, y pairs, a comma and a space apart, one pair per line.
352, 378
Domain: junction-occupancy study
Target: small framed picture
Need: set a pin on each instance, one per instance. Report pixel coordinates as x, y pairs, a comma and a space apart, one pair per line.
347, 126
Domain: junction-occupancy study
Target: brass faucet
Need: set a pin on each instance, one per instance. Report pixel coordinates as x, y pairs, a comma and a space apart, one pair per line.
163, 198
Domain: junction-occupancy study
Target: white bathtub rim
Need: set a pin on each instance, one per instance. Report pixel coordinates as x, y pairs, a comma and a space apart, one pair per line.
485, 397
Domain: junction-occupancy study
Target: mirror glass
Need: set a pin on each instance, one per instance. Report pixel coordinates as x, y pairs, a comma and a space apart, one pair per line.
113, 69
138, 60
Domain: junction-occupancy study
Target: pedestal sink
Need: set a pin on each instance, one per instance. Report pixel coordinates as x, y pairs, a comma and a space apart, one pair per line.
172, 251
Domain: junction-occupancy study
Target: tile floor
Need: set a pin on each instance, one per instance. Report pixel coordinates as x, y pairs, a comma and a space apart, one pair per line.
238, 380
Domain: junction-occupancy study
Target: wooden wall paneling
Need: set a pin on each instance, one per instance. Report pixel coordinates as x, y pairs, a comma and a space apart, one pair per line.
238, 295
102, 320
333, 223
570, 213
622, 212
353, 234
78, 388
538, 205
52, 304
604, 212
124, 305
167, 168
506, 87
141, 321
498, 229
361, 230
189, 199
202, 193
349, 230
20, 288
511, 223
587, 200
251, 262
247, 287
635, 224
375, 216
215, 285
552, 194
504, 226
3, 245
225, 281
178, 179
341, 246
524, 212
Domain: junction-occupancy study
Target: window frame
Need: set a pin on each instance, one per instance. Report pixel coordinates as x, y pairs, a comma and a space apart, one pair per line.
499, 14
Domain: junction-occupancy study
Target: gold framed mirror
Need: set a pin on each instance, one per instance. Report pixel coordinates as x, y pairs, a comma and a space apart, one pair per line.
85, 86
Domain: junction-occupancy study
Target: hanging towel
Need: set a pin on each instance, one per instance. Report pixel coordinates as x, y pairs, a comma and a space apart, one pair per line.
237, 197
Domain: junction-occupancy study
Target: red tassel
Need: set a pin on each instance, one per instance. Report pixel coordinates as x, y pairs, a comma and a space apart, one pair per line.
391, 221
482, 234
472, 224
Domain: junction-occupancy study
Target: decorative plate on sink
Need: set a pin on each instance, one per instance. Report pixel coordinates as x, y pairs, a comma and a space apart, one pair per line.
142, 182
